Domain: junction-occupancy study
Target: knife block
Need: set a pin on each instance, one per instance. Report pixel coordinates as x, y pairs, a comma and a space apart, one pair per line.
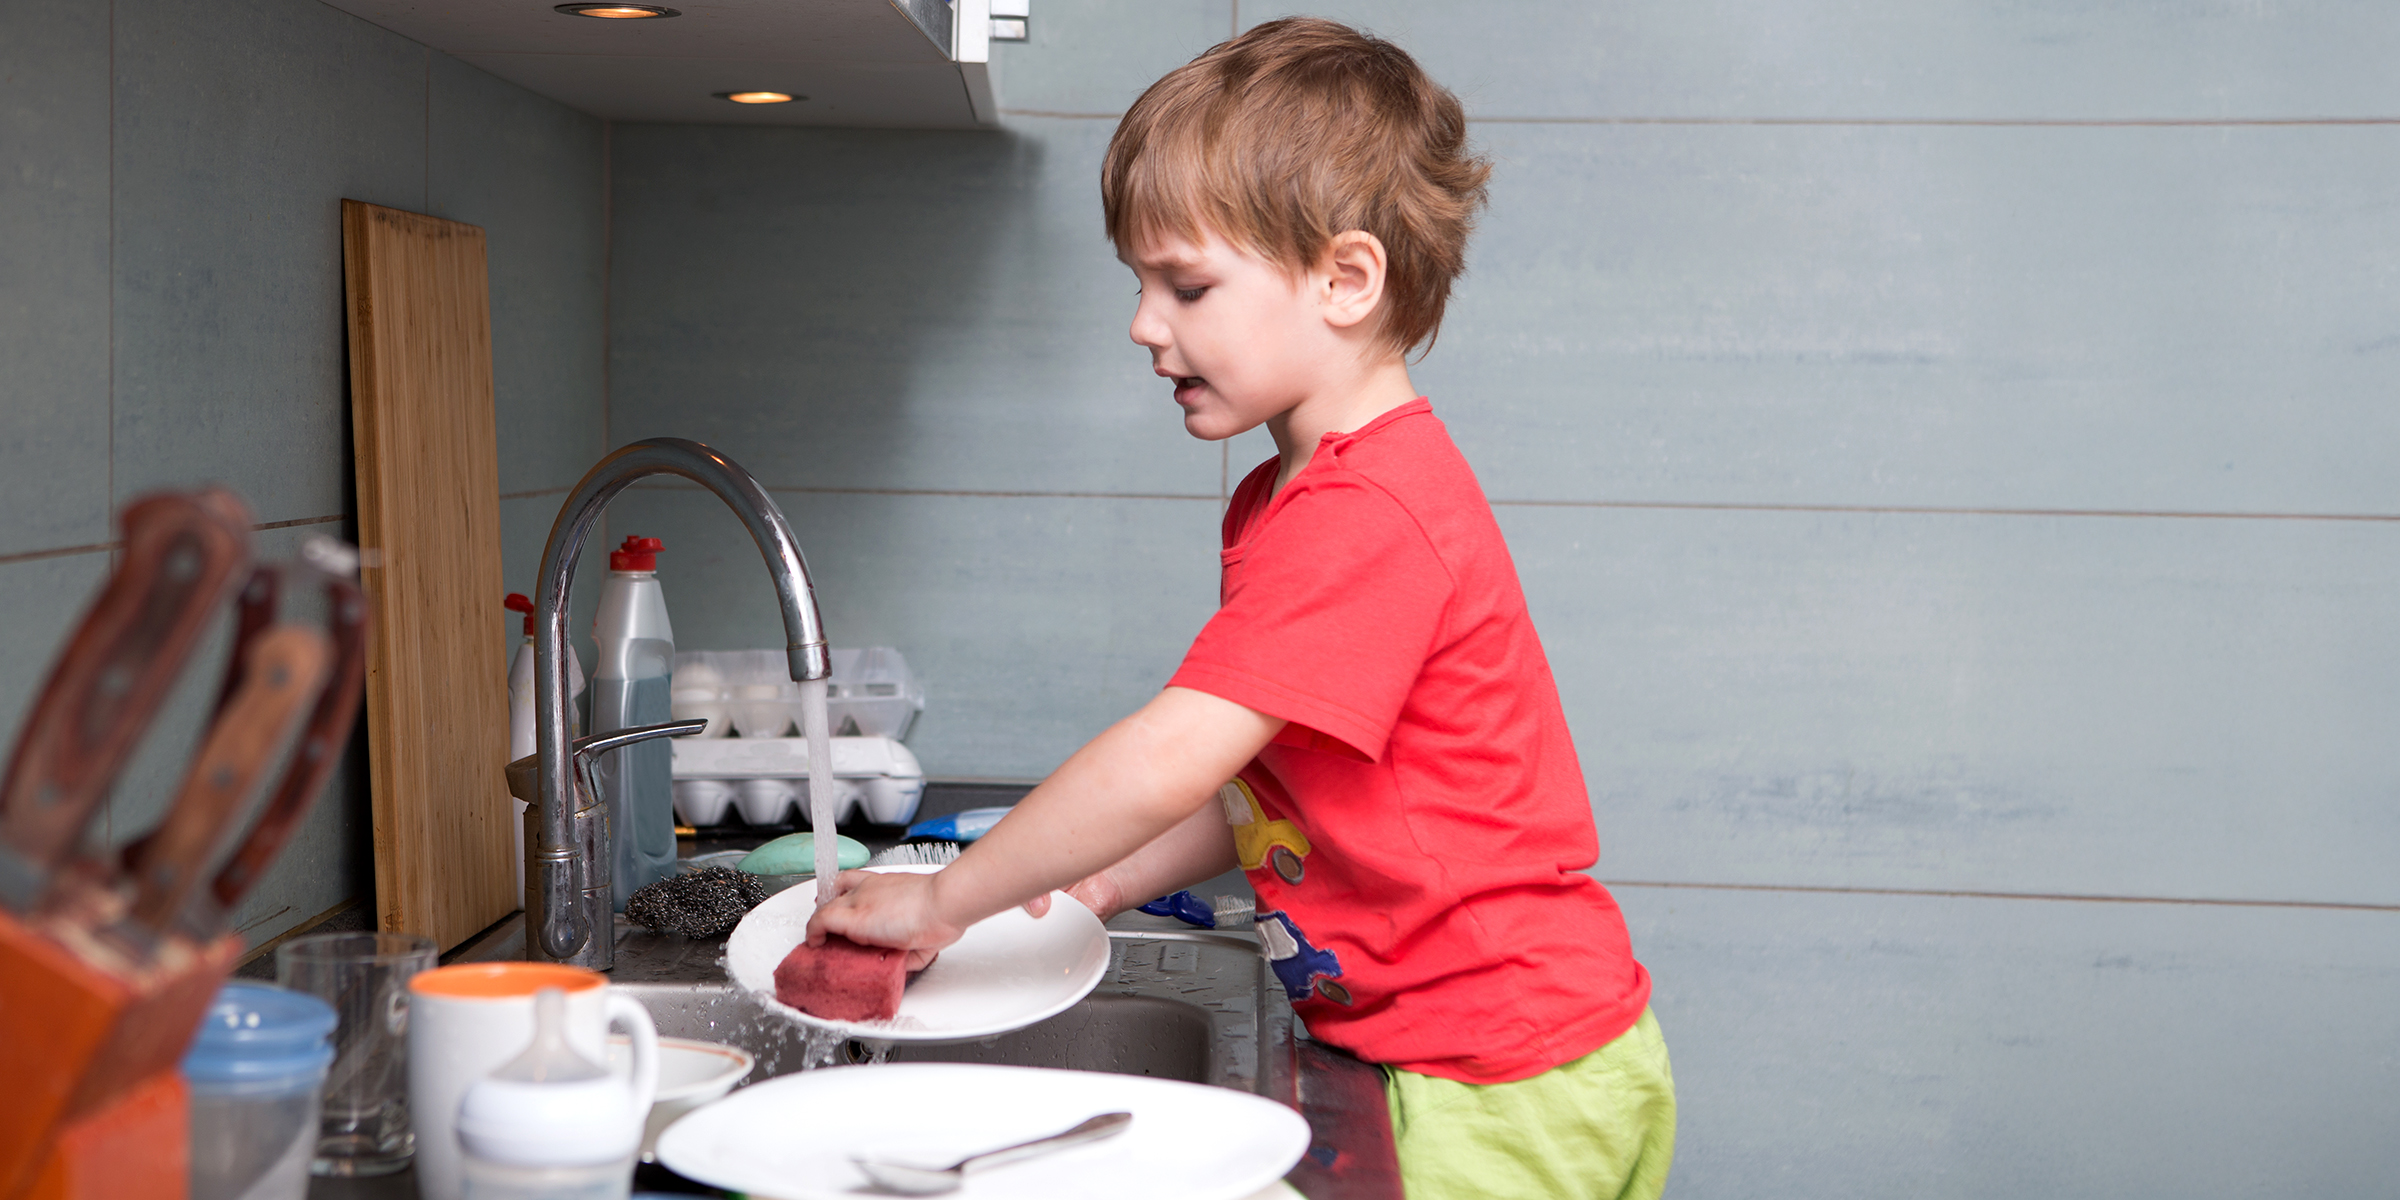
90, 1043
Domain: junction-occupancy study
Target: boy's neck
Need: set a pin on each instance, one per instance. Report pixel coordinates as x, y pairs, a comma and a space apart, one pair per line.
1376, 390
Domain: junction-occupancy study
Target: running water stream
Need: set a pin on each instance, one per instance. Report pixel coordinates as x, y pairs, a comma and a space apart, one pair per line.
821, 801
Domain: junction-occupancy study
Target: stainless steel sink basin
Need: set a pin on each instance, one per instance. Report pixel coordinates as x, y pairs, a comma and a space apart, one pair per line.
1177, 1006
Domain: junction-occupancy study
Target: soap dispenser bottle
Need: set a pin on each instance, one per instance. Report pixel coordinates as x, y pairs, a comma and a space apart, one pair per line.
552, 1124
630, 688
520, 712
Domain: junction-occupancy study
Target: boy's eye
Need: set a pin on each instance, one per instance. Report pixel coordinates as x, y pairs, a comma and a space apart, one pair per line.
1187, 295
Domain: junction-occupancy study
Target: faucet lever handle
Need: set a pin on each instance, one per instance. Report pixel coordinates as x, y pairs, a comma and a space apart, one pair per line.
594, 745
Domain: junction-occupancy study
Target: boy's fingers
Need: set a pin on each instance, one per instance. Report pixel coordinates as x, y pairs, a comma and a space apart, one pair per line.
1038, 906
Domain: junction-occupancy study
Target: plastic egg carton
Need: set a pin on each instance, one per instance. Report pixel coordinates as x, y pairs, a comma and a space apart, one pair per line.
871, 693
765, 779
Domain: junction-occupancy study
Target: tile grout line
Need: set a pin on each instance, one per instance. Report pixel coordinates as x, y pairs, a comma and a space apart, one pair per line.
109, 501
428, 146
1861, 122
108, 808
114, 546
1939, 510
1224, 480
2057, 897
608, 258
608, 272
1223, 495
1957, 122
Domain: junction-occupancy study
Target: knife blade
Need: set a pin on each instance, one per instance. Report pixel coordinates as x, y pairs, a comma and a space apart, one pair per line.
313, 760
181, 551
285, 670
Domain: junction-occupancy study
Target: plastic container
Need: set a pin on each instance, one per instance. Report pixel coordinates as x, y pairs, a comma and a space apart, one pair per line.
703, 801
699, 695
877, 777
631, 687
256, 1069
552, 1124
521, 726
871, 694
766, 801
764, 710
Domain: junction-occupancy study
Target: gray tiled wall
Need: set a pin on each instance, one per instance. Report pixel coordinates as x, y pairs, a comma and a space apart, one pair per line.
171, 311
1944, 446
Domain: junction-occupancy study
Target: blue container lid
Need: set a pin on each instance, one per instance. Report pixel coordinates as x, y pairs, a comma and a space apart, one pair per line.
255, 1033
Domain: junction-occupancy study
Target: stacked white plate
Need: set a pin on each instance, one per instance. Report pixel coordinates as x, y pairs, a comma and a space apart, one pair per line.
793, 1138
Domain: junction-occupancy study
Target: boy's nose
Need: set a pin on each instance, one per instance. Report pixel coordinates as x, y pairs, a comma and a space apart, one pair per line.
1147, 329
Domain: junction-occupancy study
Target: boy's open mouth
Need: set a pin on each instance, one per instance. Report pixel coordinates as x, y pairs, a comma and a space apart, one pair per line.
1186, 384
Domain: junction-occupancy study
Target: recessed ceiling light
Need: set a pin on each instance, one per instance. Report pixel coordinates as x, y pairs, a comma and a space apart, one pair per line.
617, 12
758, 97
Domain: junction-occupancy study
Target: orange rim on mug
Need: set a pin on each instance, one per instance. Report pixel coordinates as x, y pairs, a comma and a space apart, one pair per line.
502, 980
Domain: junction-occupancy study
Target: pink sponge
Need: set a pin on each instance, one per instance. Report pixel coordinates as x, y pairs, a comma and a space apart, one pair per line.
842, 980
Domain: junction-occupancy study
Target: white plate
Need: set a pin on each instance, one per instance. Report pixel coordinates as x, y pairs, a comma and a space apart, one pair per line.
1008, 971
791, 1138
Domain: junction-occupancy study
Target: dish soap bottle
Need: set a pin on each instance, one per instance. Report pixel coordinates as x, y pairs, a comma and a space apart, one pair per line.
630, 688
552, 1124
520, 711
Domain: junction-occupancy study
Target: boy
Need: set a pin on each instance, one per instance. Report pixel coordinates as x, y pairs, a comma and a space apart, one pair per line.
1403, 794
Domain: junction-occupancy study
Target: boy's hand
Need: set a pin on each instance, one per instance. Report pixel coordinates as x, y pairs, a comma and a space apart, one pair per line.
1098, 892
894, 909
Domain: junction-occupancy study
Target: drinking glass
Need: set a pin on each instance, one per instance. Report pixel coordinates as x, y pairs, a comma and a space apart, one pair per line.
363, 1128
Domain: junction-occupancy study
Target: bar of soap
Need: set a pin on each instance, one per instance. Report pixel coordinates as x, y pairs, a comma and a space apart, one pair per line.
842, 980
796, 854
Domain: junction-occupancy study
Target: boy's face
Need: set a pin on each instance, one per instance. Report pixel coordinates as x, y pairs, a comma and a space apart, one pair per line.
1243, 339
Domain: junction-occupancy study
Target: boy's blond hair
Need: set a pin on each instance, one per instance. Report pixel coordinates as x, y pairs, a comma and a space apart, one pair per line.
1293, 133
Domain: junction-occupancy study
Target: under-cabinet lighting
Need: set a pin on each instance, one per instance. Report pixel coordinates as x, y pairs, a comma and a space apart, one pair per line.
758, 97
617, 12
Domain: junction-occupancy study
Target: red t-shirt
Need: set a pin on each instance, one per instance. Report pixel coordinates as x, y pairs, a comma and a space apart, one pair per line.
1418, 831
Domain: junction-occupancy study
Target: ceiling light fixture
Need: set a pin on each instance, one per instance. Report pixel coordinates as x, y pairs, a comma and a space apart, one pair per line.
758, 97
617, 12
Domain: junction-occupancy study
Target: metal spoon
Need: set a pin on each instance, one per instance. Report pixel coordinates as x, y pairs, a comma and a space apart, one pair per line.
911, 1180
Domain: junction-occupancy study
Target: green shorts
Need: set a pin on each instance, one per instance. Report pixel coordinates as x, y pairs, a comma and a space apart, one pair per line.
1601, 1127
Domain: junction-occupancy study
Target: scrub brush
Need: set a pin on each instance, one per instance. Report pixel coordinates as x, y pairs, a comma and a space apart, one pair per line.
1226, 912
928, 853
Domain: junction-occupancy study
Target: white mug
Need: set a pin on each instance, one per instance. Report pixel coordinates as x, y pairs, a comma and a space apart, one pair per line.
468, 1020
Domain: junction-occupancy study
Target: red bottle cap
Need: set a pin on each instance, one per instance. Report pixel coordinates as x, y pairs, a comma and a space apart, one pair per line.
520, 602
637, 554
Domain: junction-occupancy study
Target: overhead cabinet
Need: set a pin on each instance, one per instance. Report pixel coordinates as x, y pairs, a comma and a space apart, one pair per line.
909, 64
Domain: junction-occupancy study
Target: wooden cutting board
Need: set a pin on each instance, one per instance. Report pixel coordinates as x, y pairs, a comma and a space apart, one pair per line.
429, 523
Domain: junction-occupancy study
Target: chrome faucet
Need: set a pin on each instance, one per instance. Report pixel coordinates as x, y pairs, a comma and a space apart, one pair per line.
563, 931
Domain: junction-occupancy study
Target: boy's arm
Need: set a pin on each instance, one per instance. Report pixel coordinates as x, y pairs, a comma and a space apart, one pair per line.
1199, 848
1144, 776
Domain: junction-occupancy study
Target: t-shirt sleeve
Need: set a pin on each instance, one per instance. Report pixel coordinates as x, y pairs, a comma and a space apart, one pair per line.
1328, 616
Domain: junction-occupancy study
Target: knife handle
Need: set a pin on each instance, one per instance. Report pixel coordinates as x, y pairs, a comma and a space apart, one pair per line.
284, 671
180, 553
256, 611
319, 750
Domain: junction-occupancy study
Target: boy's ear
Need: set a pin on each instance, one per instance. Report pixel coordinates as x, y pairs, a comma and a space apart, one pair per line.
1350, 281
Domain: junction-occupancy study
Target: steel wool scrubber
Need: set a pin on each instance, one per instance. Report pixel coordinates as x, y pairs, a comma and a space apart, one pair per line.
702, 903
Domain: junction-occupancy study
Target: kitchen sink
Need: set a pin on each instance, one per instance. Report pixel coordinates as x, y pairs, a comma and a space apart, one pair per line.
1173, 1005
1176, 1003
